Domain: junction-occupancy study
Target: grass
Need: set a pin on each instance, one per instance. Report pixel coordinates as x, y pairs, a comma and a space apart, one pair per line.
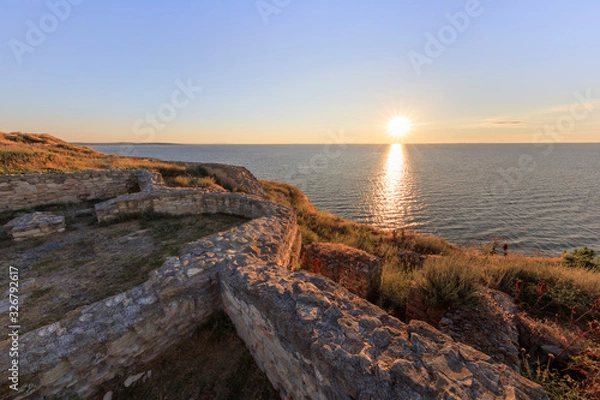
27, 153
556, 385
448, 281
322, 226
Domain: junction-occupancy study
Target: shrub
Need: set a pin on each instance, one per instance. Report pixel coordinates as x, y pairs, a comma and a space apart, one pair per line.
585, 258
449, 282
395, 283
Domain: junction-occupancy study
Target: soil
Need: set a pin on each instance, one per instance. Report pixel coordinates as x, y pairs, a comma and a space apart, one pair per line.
212, 364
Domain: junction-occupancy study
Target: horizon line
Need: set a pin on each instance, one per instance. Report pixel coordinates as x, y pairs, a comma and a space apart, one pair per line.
301, 144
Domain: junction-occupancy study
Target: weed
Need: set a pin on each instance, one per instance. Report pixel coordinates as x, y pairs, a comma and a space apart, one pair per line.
448, 283
558, 386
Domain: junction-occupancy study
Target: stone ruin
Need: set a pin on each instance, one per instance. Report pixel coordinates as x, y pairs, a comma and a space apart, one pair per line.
313, 338
354, 269
34, 225
491, 330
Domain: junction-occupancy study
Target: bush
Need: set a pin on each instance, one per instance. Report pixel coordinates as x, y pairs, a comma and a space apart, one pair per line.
585, 258
449, 282
394, 287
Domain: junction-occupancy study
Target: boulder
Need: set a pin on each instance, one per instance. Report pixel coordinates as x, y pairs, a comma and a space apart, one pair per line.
490, 327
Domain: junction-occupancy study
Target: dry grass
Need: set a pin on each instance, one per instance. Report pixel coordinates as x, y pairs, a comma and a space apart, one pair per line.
29, 153
451, 277
567, 286
448, 281
322, 226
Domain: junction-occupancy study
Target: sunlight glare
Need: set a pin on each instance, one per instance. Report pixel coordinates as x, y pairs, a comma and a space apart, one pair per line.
399, 126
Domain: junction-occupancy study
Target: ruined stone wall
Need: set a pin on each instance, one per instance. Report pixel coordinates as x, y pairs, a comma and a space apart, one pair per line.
30, 190
354, 269
107, 340
179, 201
108, 343
315, 340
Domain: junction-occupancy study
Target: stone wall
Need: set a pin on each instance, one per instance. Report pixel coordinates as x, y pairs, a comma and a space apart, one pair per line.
179, 201
107, 342
313, 338
354, 269
22, 191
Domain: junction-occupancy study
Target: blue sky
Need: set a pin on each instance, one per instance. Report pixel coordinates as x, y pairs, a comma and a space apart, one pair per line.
300, 71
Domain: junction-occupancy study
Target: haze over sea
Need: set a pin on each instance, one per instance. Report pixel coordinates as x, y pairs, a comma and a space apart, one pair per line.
537, 198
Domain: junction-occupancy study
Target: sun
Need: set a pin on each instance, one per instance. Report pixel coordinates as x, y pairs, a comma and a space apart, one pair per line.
399, 126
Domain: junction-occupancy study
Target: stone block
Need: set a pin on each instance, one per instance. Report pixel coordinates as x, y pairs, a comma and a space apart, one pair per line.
34, 225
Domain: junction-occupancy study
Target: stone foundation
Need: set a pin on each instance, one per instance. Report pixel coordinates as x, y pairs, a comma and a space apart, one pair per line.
34, 225
316, 340
313, 338
354, 269
23, 191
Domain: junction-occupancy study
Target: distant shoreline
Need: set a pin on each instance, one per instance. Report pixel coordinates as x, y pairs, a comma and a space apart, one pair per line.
128, 144
313, 144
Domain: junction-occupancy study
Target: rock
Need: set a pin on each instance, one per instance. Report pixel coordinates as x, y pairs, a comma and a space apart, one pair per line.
233, 178
354, 269
313, 338
490, 328
37, 224
84, 211
149, 179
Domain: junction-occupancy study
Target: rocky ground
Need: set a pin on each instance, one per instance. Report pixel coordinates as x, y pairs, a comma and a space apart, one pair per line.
89, 262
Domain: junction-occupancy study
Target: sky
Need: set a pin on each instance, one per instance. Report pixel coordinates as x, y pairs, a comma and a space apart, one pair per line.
301, 71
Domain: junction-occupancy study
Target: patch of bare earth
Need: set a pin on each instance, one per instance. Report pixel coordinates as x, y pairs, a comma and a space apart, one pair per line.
212, 364
90, 261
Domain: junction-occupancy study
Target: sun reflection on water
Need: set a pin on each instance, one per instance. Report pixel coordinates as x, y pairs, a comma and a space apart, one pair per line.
393, 199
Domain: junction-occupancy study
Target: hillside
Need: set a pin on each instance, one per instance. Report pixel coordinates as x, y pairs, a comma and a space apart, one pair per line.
556, 299
26, 153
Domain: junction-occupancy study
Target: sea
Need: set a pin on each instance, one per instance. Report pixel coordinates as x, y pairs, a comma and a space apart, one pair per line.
539, 199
